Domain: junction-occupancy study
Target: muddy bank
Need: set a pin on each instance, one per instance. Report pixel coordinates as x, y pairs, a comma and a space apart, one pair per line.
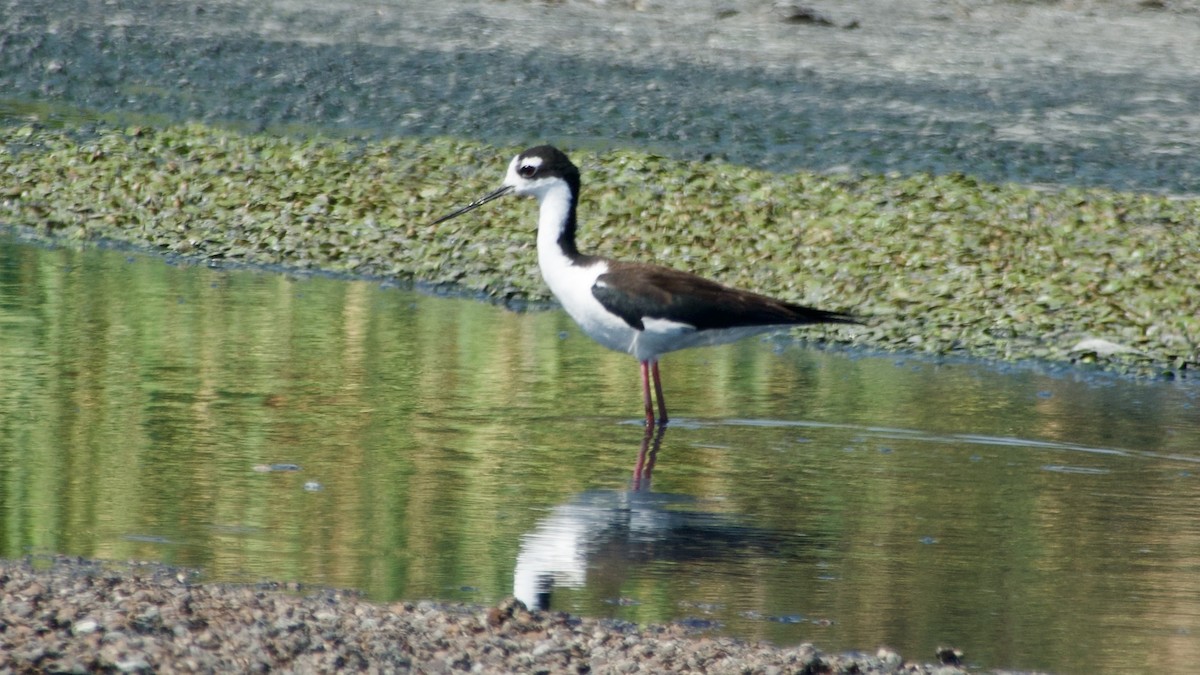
1001, 272
1082, 93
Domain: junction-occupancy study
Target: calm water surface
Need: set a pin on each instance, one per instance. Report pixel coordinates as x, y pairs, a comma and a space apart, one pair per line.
445, 448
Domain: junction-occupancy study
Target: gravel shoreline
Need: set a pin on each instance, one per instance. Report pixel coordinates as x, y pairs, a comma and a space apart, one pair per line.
71, 615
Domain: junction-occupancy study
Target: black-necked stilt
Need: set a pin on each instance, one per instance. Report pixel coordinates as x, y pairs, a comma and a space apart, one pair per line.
645, 310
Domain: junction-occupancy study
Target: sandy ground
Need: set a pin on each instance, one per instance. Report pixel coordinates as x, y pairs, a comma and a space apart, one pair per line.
1100, 93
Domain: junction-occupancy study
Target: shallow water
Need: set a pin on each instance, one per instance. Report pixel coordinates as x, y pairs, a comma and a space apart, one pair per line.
259, 425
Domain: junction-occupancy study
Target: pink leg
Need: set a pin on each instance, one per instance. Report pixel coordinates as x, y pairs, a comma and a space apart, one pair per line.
662, 406
644, 469
646, 392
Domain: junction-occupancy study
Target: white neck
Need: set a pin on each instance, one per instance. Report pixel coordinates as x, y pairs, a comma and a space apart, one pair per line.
554, 206
570, 282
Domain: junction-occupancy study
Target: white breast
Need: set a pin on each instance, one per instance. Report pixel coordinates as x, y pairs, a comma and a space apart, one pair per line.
571, 283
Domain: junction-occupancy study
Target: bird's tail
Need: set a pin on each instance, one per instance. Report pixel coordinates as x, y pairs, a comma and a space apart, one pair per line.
812, 315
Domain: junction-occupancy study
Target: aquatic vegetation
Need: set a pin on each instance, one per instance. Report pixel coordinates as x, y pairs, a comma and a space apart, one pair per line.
940, 264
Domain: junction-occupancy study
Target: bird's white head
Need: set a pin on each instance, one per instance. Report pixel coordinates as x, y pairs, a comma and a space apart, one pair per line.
538, 172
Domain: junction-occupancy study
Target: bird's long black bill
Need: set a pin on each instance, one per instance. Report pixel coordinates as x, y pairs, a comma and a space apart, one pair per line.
475, 204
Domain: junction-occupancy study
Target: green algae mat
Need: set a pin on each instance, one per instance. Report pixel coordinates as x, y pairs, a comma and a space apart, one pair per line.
933, 264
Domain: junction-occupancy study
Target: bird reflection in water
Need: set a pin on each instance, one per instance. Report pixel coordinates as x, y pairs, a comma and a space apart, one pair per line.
651, 441
614, 534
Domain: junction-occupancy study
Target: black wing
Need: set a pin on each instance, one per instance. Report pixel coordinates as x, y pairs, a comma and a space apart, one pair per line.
635, 292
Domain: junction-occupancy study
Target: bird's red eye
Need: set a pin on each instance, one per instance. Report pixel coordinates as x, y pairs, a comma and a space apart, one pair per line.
527, 170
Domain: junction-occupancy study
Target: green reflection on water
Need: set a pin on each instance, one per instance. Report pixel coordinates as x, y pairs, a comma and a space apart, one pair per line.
857, 501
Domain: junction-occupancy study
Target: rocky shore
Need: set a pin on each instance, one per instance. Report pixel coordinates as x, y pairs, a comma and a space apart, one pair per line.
69, 615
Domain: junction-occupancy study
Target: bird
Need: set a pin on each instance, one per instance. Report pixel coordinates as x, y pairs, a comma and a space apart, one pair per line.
643, 309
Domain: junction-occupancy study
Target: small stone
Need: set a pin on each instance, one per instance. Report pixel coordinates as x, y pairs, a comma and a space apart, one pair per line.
1100, 347
790, 12
949, 656
33, 654
134, 665
84, 627
888, 657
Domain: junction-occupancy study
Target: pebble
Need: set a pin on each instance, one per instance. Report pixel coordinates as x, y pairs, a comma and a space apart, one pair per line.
141, 618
